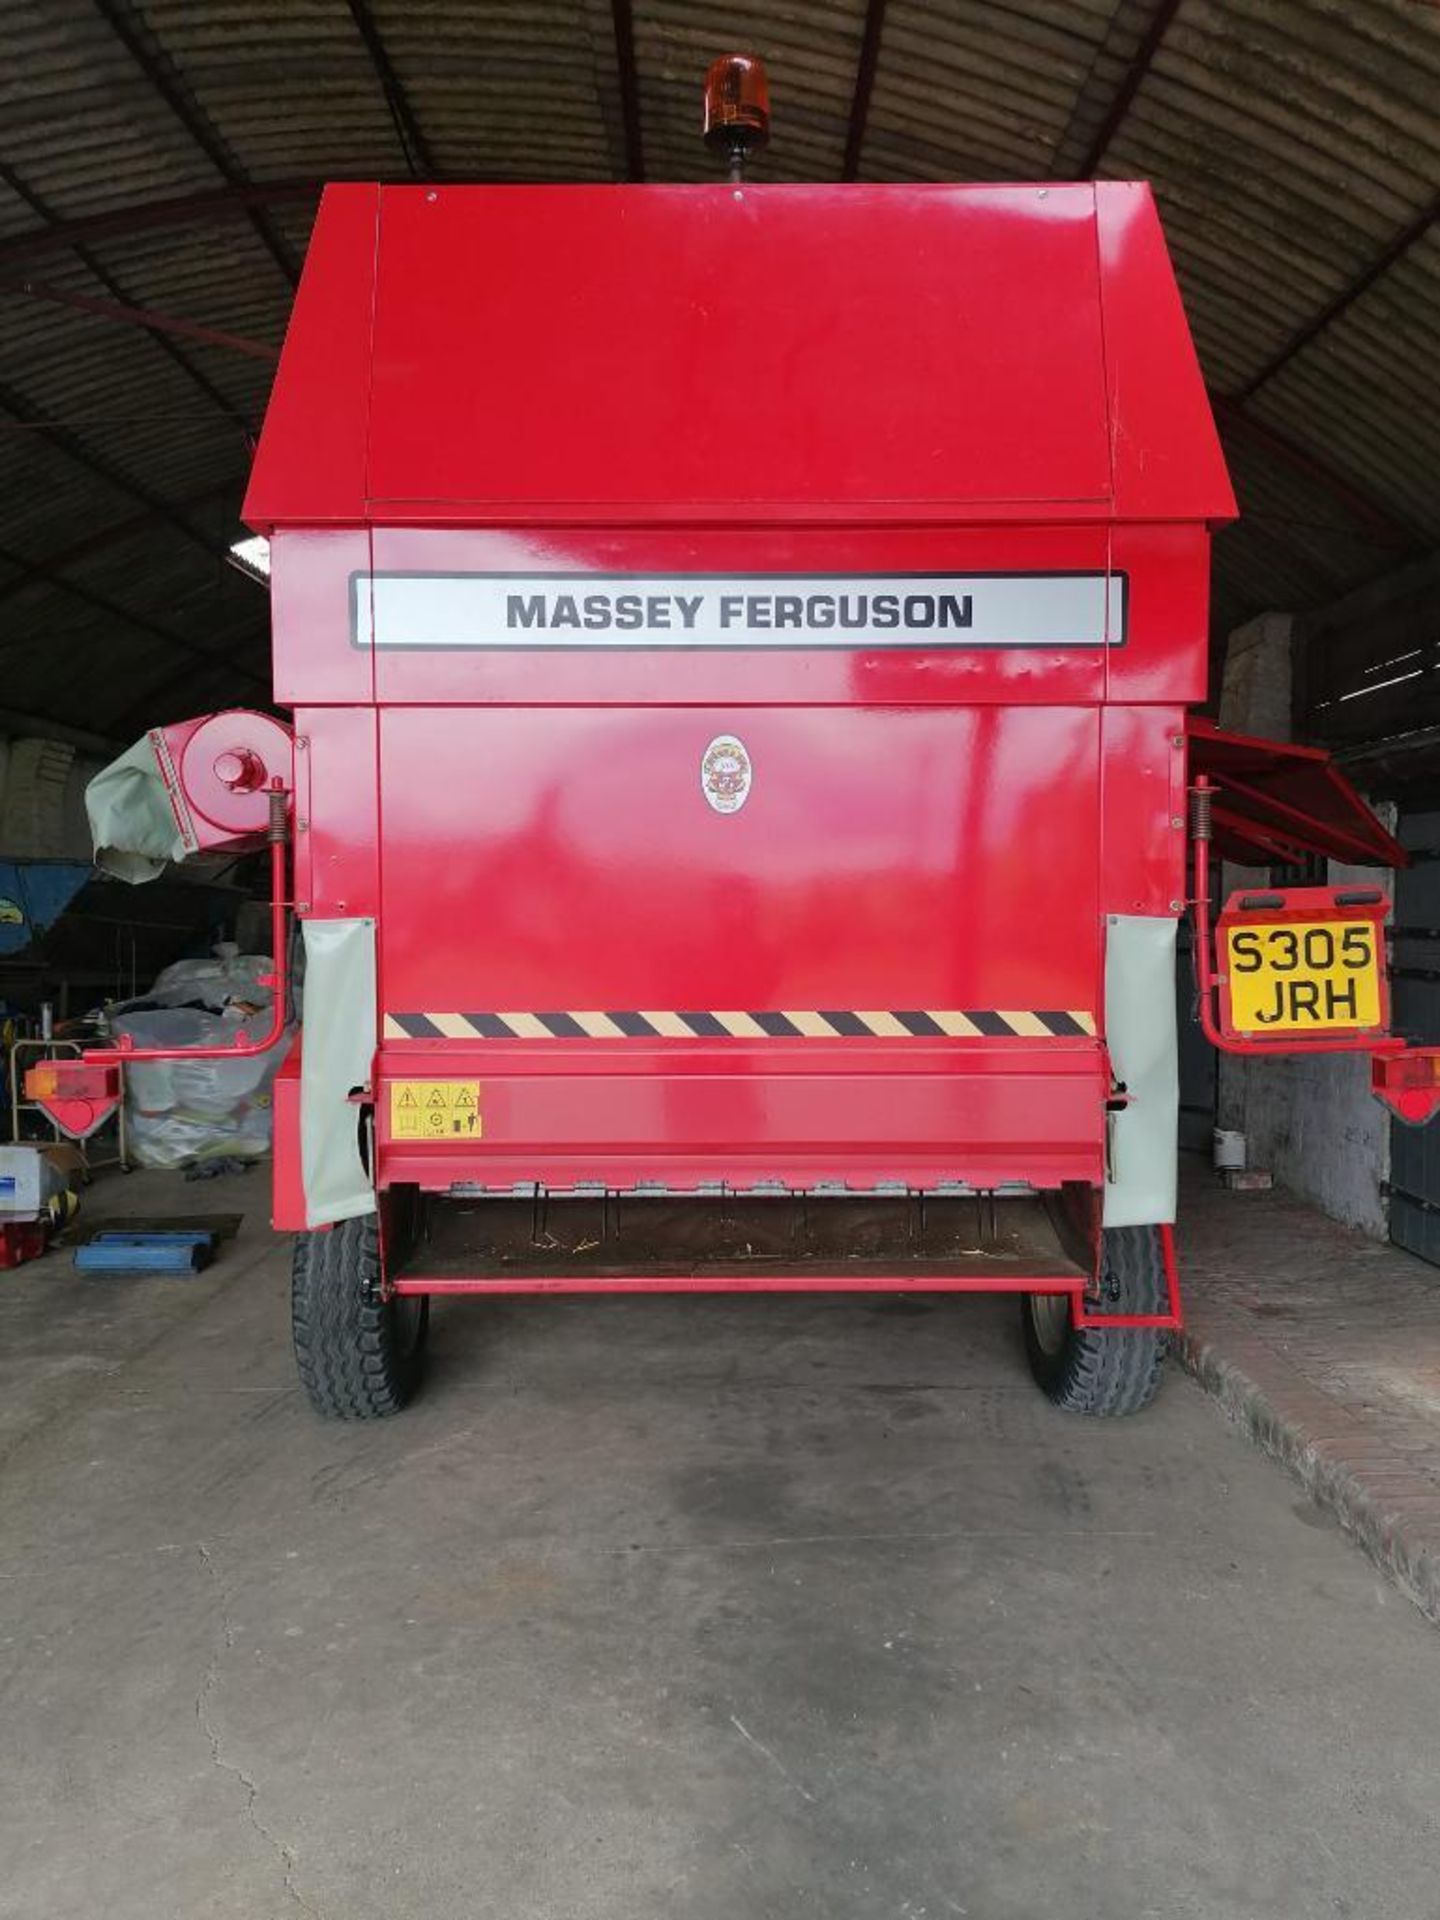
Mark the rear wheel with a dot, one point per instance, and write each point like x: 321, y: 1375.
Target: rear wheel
x: 1090, y: 1370
x: 360, y: 1356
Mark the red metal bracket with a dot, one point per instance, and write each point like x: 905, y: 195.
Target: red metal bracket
x: 1171, y: 1321
x: 1202, y: 796
x: 1325, y: 913
x: 67, y: 1076
x: 419, y: 1283
x: 1405, y: 1078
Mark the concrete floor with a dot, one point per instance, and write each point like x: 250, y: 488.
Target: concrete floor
x: 720, y: 1609
x: 1325, y: 1346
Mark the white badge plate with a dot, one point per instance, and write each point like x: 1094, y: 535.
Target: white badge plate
x: 771, y: 611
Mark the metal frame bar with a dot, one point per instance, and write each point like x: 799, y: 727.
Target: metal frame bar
x: 209, y: 687
x: 1364, y: 850
x: 1395, y: 249
x: 864, y: 87
x: 145, y: 216
x: 206, y: 689
x: 120, y: 17
x: 53, y: 563
x: 107, y: 280
x: 704, y: 1283
x: 413, y: 144
x: 34, y: 572
x: 1130, y: 83
x: 623, y: 19
x: 1268, y: 840
x: 147, y: 317
x: 75, y: 449
x: 125, y: 1052
x: 1382, y: 527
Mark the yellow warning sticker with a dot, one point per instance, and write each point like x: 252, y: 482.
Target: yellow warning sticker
x: 435, y: 1110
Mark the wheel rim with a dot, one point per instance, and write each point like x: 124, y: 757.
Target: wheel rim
x: 1050, y: 1319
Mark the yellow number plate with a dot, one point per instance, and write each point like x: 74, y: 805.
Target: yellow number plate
x: 435, y: 1110
x: 1303, y: 976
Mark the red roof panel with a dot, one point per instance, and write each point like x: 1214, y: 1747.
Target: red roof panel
x: 524, y: 354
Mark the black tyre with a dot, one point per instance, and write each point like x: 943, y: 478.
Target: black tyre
x: 1089, y: 1370
x: 360, y: 1357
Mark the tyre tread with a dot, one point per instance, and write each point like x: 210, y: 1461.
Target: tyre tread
x: 349, y: 1358
x: 1113, y: 1374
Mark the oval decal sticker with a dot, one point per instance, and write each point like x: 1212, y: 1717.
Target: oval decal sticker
x: 725, y: 773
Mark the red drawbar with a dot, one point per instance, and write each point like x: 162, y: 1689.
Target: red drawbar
x: 790, y: 1283
x: 1171, y: 1320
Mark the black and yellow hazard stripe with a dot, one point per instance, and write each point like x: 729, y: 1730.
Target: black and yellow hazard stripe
x: 928, y: 1024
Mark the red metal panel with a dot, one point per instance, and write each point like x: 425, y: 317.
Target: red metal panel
x: 641, y: 312
x: 547, y: 355
x: 1143, y: 806
x: 316, y: 658
x: 310, y: 464
x: 885, y: 858
x: 337, y: 812
x: 287, y: 1204
x: 1168, y: 462
x: 984, y: 1113
x: 1167, y: 649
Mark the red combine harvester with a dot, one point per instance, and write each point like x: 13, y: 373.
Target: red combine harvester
x: 739, y: 642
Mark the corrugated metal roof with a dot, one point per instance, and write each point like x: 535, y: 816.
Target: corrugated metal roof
x: 165, y: 156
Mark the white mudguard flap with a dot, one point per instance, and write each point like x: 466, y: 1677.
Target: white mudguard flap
x: 1140, y: 1027
x: 338, y: 1037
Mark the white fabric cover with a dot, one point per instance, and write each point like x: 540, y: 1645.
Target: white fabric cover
x: 1140, y: 1027
x: 338, y: 1053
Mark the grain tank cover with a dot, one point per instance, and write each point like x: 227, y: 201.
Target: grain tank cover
x: 534, y: 355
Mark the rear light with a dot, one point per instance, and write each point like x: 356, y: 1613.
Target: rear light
x: 72, y: 1080
x: 1408, y: 1083
x: 76, y: 1095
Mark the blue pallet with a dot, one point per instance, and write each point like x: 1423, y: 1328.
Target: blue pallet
x: 146, y: 1253
x: 153, y: 1237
